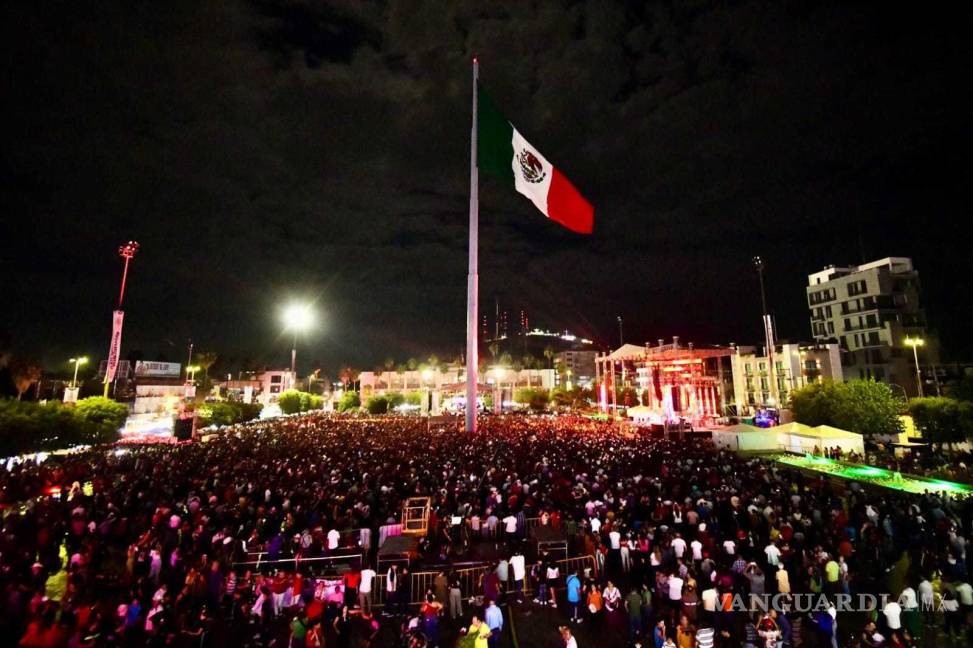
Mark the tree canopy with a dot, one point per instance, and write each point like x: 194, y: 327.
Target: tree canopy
x: 863, y: 406
x: 32, y: 427
x: 942, y: 420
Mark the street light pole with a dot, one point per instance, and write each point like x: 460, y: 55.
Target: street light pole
x: 621, y: 338
x: 297, y: 318
x: 77, y: 362
x: 294, y: 360
x: 915, y: 343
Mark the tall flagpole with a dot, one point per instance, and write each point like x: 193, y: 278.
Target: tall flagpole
x: 472, y: 281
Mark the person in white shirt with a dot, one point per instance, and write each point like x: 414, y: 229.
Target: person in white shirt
x: 365, y: 590
x: 675, y: 593
x: 729, y: 547
x: 678, y: 546
x: 333, y: 538
x: 553, y: 573
x: 614, y: 539
x: 709, y: 597
x: 611, y: 597
x: 773, y: 555
x: 510, y: 527
x: 568, y: 638
x: 697, y: 548
x: 907, y: 599
x: 519, y: 567
x: 595, y: 525
x: 893, y: 615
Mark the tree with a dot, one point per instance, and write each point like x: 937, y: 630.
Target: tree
x: 24, y: 373
x: 349, y: 401
x: 411, y: 364
x: 395, y: 399
x: 941, y: 420
x: 31, y: 427
x: 962, y: 389
x: 549, y: 354
x: 575, y: 398
x: 815, y: 404
x: 869, y: 408
x: 536, y: 399
x: 348, y: 376
x: 628, y: 397
x: 103, y: 416
x: 290, y: 401
x: 863, y: 406
x: 205, y: 360
x: 228, y: 412
x: 377, y: 405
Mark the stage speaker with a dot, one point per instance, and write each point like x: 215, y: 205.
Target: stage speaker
x: 183, y: 429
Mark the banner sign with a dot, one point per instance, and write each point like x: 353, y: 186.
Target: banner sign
x: 157, y: 369
x: 116, y: 345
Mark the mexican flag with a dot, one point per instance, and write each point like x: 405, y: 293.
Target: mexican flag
x: 504, y: 152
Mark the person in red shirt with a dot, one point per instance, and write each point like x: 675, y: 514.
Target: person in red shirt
x: 351, y: 580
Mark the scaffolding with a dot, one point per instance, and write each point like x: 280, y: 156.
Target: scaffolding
x: 415, y: 516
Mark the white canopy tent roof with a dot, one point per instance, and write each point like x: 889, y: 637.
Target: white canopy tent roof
x: 746, y: 437
x: 627, y: 352
x: 792, y: 437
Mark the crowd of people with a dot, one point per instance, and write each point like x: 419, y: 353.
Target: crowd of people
x: 952, y: 464
x: 153, y: 545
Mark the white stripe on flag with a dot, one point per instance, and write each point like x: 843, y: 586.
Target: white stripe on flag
x: 532, y: 172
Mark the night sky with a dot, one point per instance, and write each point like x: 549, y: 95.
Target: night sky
x: 261, y: 151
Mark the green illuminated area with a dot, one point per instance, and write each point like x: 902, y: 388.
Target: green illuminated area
x: 875, y: 476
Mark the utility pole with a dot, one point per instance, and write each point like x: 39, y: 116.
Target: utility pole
x: 621, y: 337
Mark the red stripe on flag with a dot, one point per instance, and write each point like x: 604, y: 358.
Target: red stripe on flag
x: 568, y: 207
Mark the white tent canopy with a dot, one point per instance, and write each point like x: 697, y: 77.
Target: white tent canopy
x: 746, y: 437
x: 825, y: 436
x: 792, y: 437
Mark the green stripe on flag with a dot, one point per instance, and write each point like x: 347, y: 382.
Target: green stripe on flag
x: 495, y: 151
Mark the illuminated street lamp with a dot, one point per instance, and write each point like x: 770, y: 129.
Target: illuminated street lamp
x: 191, y: 373
x: 915, y: 343
x: 297, y: 318
x: 77, y: 362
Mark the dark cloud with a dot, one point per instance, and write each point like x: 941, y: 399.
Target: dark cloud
x: 266, y: 150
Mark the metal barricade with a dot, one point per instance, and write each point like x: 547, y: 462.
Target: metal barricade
x: 470, y: 579
x: 351, y: 560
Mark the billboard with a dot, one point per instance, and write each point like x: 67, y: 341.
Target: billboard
x: 145, y: 369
